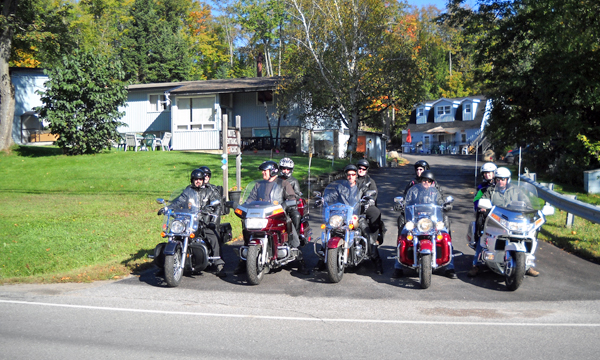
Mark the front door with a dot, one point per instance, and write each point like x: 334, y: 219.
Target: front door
x: 426, y: 142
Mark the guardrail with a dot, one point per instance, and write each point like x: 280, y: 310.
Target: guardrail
x: 566, y: 203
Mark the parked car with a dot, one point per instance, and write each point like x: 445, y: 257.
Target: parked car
x: 512, y: 157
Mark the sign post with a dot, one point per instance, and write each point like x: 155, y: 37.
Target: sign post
x: 224, y: 156
x: 238, y: 159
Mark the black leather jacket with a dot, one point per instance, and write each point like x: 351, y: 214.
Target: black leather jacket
x: 367, y: 183
x: 295, y: 185
x: 276, y: 191
x: 202, y: 197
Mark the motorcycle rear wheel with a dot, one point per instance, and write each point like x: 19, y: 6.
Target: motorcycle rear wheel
x: 335, y: 264
x: 254, y: 271
x: 514, y: 270
x: 425, y: 271
x: 173, y: 268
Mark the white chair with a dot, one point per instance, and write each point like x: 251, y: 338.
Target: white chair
x: 164, y: 142
x: 131, y: 141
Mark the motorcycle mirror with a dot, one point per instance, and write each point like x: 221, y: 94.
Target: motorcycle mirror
x: 370, y: 193
x: 215, y: 202
x: 160, y: 200
x: 316, y: 194
x: 398, y: 199
x: 484, y: 204
x: 449, y: 200
x: 229, y: 204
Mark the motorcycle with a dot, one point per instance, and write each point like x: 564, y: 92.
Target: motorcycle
x: 424, y: 243
x: 184, y: 250
x: 343, y: 243
x: 509, y: 236
x: 266, y: 229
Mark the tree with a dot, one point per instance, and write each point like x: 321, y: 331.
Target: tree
x: 543, y: 80
x: 32, y: 32
x: 344, y: 55
x: 81, y: 102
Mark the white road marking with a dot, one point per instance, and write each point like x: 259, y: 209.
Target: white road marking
x: 264, y: 317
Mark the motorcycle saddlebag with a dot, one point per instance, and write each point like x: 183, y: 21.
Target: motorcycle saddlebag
x: 199, y: 256
x: 225, y: 232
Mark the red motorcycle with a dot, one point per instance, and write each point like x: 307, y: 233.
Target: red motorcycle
x: 425, y: 243
x: 266, y: 229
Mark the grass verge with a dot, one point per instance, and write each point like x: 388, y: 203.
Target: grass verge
x: 93, y: 217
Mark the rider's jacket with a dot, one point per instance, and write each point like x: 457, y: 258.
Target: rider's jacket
x: 275, y: 192
x: 295, y: 185
x: 418, y: 194
x: 202, y: 197
x: 502, y: 198
x: 416, y: 181
x: 367, y: 183
x: 481, y: 188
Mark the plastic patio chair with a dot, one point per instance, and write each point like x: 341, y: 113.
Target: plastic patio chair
x: 150, y: 142
x: 164, y: 142
x: 131, y: 141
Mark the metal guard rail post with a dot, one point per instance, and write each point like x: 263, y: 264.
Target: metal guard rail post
x: 575, y: 207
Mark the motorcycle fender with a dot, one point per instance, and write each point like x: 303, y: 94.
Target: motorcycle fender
x: 425, y: 247
x: 516, y: 246
x: 255, y: 241
x: 171, y: 247
x: 334, y: 242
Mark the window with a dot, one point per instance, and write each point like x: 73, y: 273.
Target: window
x: 420, y: 112
x: 196, y: 113
x: 158, y: 103
x: 443, y: 110
x: 467, y: 108
x: 467, y: 115
x: 463, y: 138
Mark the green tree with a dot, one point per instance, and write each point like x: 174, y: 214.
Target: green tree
x: 543, y: 79
x: 348, y: 61
x: 32, y: 33
x: 81, y: 102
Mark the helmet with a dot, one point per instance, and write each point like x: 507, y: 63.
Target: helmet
x: 270, y: 165
x: 423, y: 164
x: 286, y: 163
x: 502, y: 172
x: 363, y: 162
x: 206, y: 170
x: 427, y: 175
x: 197, y: 174
x: 488, y: 167
x: 350, y: 168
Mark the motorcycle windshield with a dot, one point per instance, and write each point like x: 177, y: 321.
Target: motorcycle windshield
x: 258, y: 191
x: 518, y: 197
x: 341, y: 195
x: 423, y: 202
x: 178, y: 205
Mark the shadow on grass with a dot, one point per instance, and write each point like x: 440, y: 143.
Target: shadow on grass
x: 37, y: 151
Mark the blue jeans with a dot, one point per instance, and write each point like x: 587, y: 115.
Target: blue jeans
x: 478, y: 250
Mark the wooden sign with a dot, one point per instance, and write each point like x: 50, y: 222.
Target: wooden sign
x: 231, y: 133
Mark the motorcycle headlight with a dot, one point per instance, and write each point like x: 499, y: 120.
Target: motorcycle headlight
x: 409, y: 226
x: 177, y: 227
x: 336, y: 221
x: 425, y: 225
x: 439, y: 225
x: 256, y: 224
x: 513, y: 226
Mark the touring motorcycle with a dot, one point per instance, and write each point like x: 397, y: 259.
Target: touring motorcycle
x: 343, y: 243
x: 509, y: 236
x: 424, y: 243
x: 266, y: 229
x: 187, y: 248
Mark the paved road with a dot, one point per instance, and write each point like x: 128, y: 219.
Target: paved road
x: 290, y: 315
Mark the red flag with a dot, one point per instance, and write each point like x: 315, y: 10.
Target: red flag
x: 408, y: 137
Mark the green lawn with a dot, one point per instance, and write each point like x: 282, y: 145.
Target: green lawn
x: 83, y: 218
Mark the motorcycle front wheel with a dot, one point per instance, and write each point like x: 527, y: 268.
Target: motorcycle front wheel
x: 425, y: 271
x: 254, y: 270
x: 335, y: 264
x: 173, y: 268
x: 514, y: 270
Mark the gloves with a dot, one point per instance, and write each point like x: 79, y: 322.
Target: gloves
x: 161, y: 211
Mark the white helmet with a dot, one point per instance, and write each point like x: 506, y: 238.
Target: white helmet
x: 488, y: 167
x: 502, y: 172
x: 286, y: 163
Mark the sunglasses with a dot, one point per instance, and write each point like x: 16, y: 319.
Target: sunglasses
x: 362, y: 169
x: 350, y: 175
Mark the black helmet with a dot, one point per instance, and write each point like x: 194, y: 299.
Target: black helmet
x: 363, y: 162
x: 350, y: 168
x: 270, y: 165
x: 206, y: 170
x: 427, y: 175
x: 197, y: 174
x: 423, y: 164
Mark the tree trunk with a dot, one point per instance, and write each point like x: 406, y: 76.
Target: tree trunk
x: 7, y: 95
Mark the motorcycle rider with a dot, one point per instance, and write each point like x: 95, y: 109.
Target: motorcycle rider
x: 286, y: 168
x: 487, y: 173
x: 373, y: 214
x: 502, y: 194
x: 276, y: 190
x: 427, y: 180
x: 202, y: 195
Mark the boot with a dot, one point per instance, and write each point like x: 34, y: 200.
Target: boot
x: 220, y: 273
x: 378, y: 267
x: 240, y: 268
x: 473, y: 272
x: 532, y: 272
x: 450, y: 274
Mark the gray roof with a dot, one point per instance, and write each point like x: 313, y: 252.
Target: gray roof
x: 456, y: 125
x: 217, y: 86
